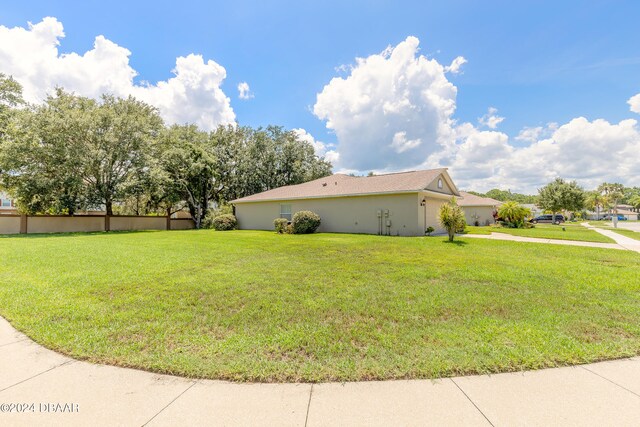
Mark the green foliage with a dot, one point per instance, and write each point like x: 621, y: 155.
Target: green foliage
x: 561, y: 195
x: 505, y: 196
x: 451, y: 218
x: 10, y: 97
x: 613, y: 193
x: 305, y: 222
x: 74, y: 153
x: 513, y: 214
x: 429, y: 230
x: 224, y: 222
x: 280, y: 225
x: 630, y: 194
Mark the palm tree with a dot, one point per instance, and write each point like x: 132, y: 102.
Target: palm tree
x: 613, y: 193
x: 595, y: 201
x: 635, y: 201
x: 452, y: 218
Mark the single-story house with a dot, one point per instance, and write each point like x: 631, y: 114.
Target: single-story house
x: 7, y: 205
x: 535, y: 209
x: 628, y: 214
x: 397, y: 204
x: 478, y: 210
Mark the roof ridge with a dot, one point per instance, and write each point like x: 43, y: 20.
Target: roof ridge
x: 412, y: 171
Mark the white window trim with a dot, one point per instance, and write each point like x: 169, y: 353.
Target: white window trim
x: 440, y: 183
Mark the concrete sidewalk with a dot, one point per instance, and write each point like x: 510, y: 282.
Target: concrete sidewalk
x: 606, y: 393
x: 504, y: 236
x: 624, y: 241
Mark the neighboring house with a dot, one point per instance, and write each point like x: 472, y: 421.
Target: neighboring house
x: 628, y: 208
x: 535, y: 210
x: 478, y: 210
x: 628, y: 214
x: 397, y: 204
x: 631, y: 215
x: 7, y: 205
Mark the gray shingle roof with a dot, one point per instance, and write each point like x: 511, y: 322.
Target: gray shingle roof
x: 468, y: 199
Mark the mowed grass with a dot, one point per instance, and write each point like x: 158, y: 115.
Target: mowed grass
x: 256, y: 306
x: 547, y: 231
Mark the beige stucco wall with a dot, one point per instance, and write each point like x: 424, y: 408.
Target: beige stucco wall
x: 129, y: 223
x: 352, y: 214
x: 182, y: 224
x: 429, y: 213
x: 9, y: 224
x: 341, y: 214
x: 61, y: 224
x: 485, y: 214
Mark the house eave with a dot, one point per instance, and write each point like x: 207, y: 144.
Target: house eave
x: 334, y: 196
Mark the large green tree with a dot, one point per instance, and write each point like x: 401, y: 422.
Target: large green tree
x: 42, y: 161
x: 117, y: 152
x: 613, y: 194
x: 188, y: 161
x: 561, y: 195
x: 73, y: 152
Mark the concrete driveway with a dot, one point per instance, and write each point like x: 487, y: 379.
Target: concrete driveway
x: 634, y: 226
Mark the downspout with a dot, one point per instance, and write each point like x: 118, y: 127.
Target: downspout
x: 423, y: 203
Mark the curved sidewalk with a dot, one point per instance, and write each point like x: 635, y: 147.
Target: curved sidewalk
x: 510, y: 237
x: 624, y: 241
x: 606, y: 393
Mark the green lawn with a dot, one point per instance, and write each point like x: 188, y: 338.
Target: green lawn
x: 547, y: 231
x: 256, y: 306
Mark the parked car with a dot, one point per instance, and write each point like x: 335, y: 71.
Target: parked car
x: 608, y: 217
x: 547, y: 219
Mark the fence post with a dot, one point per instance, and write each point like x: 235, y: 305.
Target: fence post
x: 23, y: 224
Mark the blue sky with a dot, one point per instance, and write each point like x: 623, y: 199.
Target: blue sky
x: 536, y: 62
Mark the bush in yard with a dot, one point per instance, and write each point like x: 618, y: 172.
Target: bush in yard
x: 280, y: 225
x: 305, y: 222
x: 451, y: 217
x: 225, y: 222
x: 429, y: 230
x: 513, y: 214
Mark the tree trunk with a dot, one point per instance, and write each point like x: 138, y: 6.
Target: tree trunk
x: 452, y: 234
x: 109, y: 207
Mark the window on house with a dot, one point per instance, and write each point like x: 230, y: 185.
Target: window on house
x: 440, y: 183
x: 285, y: 212
x: 6, y: 203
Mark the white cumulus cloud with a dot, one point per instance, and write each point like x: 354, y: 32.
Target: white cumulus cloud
x: 390, y: 110
x: 491, y: 119
x: 321, y: 149
x: 244, y: 92
x: 395, y: 111
x: 588, y: 151
x: 456, y: 65
x: 634, y: 103
x: 192, y: 95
